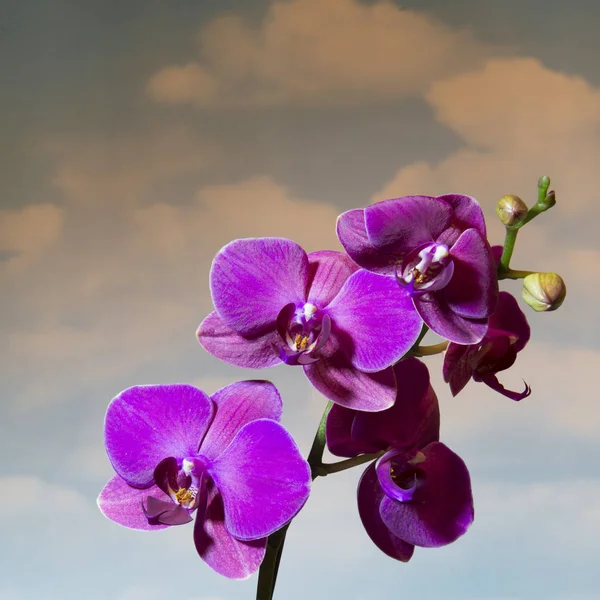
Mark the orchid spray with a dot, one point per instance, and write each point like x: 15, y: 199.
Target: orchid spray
x: 354, y: 323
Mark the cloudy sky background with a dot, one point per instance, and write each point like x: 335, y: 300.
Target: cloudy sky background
x: 139, y: 137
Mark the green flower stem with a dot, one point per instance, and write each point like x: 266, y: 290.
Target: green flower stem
x: 544, y: 202
x: 315, y: 456
x: 342, y: 465
x: 430, y: 350
x: 515, y: 274
x: 267, y: 574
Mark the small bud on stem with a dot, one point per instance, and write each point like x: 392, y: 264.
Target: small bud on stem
x: 544, y: 291
x: 511, y: 209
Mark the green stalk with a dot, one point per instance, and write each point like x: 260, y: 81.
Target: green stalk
x: 267, y: 574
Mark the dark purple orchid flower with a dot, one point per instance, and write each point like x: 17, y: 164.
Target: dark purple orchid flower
x: 419, y: 492
x: 346, y: 327
x: 508, y: 333
x: 436, y: 248
x: 177, y: 452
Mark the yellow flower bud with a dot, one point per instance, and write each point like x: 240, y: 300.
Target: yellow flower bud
x: 544, y: 291
x: 511, y: 209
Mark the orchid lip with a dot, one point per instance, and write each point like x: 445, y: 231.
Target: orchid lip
x: 304, y: 330
x: 398, y: 475
x: 427, y: 269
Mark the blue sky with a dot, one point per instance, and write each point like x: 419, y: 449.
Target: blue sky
x: 138, y: 138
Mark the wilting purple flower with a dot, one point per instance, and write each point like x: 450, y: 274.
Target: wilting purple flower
x: 225, y: 458
x: 419, y: 492
x: 437, y: 250
x: 346, y: 327
x: 508, y: 333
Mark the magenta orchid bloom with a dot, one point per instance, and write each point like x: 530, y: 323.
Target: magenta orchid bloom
x: 276, y: 304
x: 507, y: 335
x: 225, y: 458
x: 436, y: 248
x: 418, y: 493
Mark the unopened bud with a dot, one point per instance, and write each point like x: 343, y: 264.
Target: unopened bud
x: 550, y: 199
x: 544, y: 291
x: 544, y: 182
x: 511, y: 209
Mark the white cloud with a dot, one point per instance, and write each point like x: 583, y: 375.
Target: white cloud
x: 317, y: 52
x: 519, y: 120
x: 25, y: 234
x: 128, y: 281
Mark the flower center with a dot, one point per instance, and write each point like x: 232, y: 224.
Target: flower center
x: 426, y: 270
x: 399, y: 474
x: 181, y: 482
x: 304, y: 330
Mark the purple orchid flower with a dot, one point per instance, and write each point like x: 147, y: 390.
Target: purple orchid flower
x: 436, y: 248
x: 418, y: 493
x: 345, y: 327
x: 225, y: 458
x: 507, y: 335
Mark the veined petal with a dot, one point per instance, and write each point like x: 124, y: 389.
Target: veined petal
x: 252, y: 279
x: 226, y: 555
x: 473, y: 289
x: 122, y: 504
x: 263, y: 479
x: 374, y: 321
x: 336, y: 378
x: 252, y: 352
x: 370, y: 496
x: 510, y: 318
x: 458, y: 366
x: 147, y: 423
x: 235, y: 406
x: 352, y: 234
x: 414, y: 419
x: 338, y: 433
x: 442, y: 508
x: 467, y: 212
x: 400, y: 225
x: 441, y: 319
x: 328, y: 271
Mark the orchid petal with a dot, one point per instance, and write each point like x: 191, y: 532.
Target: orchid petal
x: 473, y: 290
x: 336, y: 378
x: 353, y: 236
x: 413, y: 420
x: 369, y: 499
x: 374, y: 321
x: 226, y: 555
x: 400, y: 225
x: 492, y: 381
x: 263, y: 479
x: 442, y: 508
x: 235, y: 406
x: 252, y: 279
x: 252, y: 352
x: 123, y: 504
x: 458, y: 366
x: 467, y: 213
x: 441, y: 319
x: 338, y: 432
x: 328, y: 270
x: 510, y: 318
x: 147, y: 423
